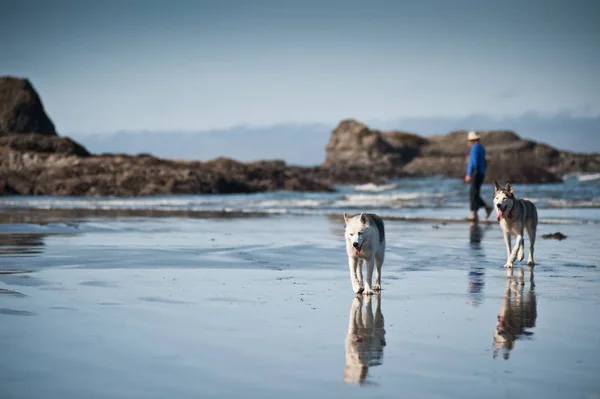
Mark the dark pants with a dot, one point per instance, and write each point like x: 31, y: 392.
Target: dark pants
x: 474, y: 193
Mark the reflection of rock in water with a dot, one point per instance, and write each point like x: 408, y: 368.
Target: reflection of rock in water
x: 365, y: 339
x: 517, y: 314
x: 13, y: 244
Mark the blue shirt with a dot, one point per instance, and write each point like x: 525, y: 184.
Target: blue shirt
x: 476, y: 160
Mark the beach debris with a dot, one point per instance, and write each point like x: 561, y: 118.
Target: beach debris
x: 555, y: 236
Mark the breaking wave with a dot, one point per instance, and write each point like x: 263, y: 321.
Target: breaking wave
x: 584, y: 177
x: 396, y: 200
x: 590, y: 177
x: 370, y: 187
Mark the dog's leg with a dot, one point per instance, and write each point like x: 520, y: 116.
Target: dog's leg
x: 353, y: 263
x: 378, y: 263
x: 370, y: 263
x: 518, y: 244
x: 531, y: 234
x: 521, y: 253
x: 507, y: 242
x: 359, y: 273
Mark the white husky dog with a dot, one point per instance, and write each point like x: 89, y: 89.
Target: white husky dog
x: 515, y: 216
x: 365, y: 240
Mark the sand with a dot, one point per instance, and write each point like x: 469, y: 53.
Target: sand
x: 262, y: 307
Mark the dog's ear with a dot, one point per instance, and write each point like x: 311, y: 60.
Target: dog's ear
x: 496, y: 186
x: 363, y: 218
x: 345, y: 218
x: 508, y: 188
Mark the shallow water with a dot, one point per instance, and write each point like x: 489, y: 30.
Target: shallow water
x: 111, y: 305
x: 577, y: 200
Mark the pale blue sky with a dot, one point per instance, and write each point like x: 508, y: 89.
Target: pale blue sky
x: 103, y: 66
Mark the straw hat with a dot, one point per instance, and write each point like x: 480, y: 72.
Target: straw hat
x: 473, y: 136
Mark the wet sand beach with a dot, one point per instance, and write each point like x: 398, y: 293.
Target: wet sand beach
x: 106, y: 306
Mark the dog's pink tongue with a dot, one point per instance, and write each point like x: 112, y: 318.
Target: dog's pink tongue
x: 357, y: 251
x: 500, y: 216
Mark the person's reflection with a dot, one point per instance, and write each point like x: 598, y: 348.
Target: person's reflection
x: 475, y: 235
x: 365, y: 339
x: 476, y: 278
x: 517, y: 314
x: 476, y: 285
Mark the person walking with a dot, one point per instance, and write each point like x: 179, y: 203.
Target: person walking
x: 475, y: 175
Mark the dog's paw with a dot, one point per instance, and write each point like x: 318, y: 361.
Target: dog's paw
x: 367, y: 291
x: 508, y: 265
x: 530, y: 263
x: 358, y: 290
x: 376, y: 287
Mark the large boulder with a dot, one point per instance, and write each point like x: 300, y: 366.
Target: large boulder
x: 24, y: 125
x: 353, y: 143
x: 21, y: 109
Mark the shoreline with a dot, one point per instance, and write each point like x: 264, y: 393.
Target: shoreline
x: 43, y: 215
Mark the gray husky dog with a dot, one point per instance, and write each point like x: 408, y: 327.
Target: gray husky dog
x: 515, y: 216
x: 365, y: 240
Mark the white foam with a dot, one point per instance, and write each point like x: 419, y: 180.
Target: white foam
x: 589, y: 177
x: 300, y: 203
x: 569, y: 203
x: 397, y: 200
x: 564, y: 221
x: 371, y: 187
x: 583, y: 177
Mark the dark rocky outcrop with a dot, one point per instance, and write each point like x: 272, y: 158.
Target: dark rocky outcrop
x: 21, y: 109
x: 509, y: 158
x: 384, y: 155
x: 35, y: 142
x: 554, y: 236
x: 30, y: 173
x: 34, y: 160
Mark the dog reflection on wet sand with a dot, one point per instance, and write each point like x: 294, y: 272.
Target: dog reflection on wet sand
x: 365, y: 339
x: 517, y: 314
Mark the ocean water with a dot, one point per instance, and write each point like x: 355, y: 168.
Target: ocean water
x: 577, y: 200
x: 249, y: 296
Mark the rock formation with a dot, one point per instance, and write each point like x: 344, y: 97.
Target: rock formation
x: 33, y: 173
x: 353, y: 143
x: 34, y: 160
x: 21, y: 110
x: 35, y: 142
x: 396, y: 154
